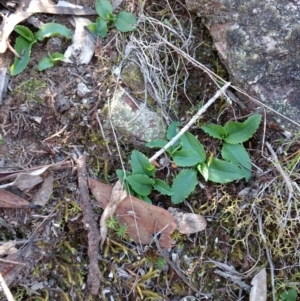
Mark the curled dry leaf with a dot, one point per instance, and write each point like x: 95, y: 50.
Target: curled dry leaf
x: 188, y: 223
x: 139, y: 216
x: 10, y: 200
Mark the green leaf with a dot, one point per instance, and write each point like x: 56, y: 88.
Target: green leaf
x: 23, y: 48
x: 186, y: 158
x: 184, y: 183
x: 223, y: 172
x: 215, y: 131
x: 239, y: 132
x: 190, y: 142
x: 157, y: 143
x: 103, y: 7
x: 56, y: 57
x: 45, y: 63
x: 99, y: 28
x: 125, y: 21
x: 144, y: 198
x: 237, y: 154
x: 141, y: 184
x: 172, y: 130
x: 25, y: 32
x: 203, y: 169
x: 140, y: 164
x: 122, y: 174
x: 162, y: 187
x: 53, y: 30
x: 289, y: 295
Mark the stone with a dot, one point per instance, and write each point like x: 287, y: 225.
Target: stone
x: 134, y: 119
x: 258, y: 42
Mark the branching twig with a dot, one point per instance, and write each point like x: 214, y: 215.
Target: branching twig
x: 94, y: 275
x: 191, y: 122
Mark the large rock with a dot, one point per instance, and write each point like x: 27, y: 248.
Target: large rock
x: 259, y: 44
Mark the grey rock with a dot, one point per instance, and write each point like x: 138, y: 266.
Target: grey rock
x: 135, y: 119
x: 259, y: 44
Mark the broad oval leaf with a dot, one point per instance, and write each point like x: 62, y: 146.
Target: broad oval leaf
x: 45, y: 63
x: 140, y: 164
x: 99, y: 28
x: 239, y: 132
x: 125, y: 21
x: 141, y: 184
x: 162, y: 187
x: 186, y: 158
x: 215, y: 131
x: 53, y: 30
x: 157, y: 143
x: 172, y: 130
x: 103, y: 7
x: 189, y: 141
x: 223, y: 172
x: 237, y: 154
x: 23, y: 48
x: 25, y: 32
x: 184, y: 183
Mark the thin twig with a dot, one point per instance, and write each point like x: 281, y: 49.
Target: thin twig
x: 6, y: 290
x: 191, y: 122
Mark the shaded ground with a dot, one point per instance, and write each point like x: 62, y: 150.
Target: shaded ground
x: 45, y: 121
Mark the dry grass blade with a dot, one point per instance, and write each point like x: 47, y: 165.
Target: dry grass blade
x: 117, y: 196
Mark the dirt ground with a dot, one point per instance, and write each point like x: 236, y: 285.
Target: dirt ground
x: 44, y: 121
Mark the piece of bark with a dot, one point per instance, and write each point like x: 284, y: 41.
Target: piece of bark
x: 94, y: 274
x: 139, y: 216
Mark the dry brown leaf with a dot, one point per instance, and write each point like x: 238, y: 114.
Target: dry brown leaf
x: 11, y: 175
x: 24, y: 181
x: 15, y: 263
x: 10, y: 200
x: 139, y: 216
x: 117, y: 195
x: 44, y: 193
x: 188, y: 223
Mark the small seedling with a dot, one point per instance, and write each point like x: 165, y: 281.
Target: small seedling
x: 123, y: 21
x: 189, y: 153
x: 50, y: 61
x: 27, y: 39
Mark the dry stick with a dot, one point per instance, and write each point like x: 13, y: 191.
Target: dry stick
x: 94, y: 275
x: 286, y: 179
x: 5, y: 289
x: 191, y: 122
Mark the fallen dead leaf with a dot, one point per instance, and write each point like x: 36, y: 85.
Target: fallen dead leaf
x: 139, y: 216
x: 44, y: 193
x: 10, y: 200
x: 118, y: 194
x: 15, y: 263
